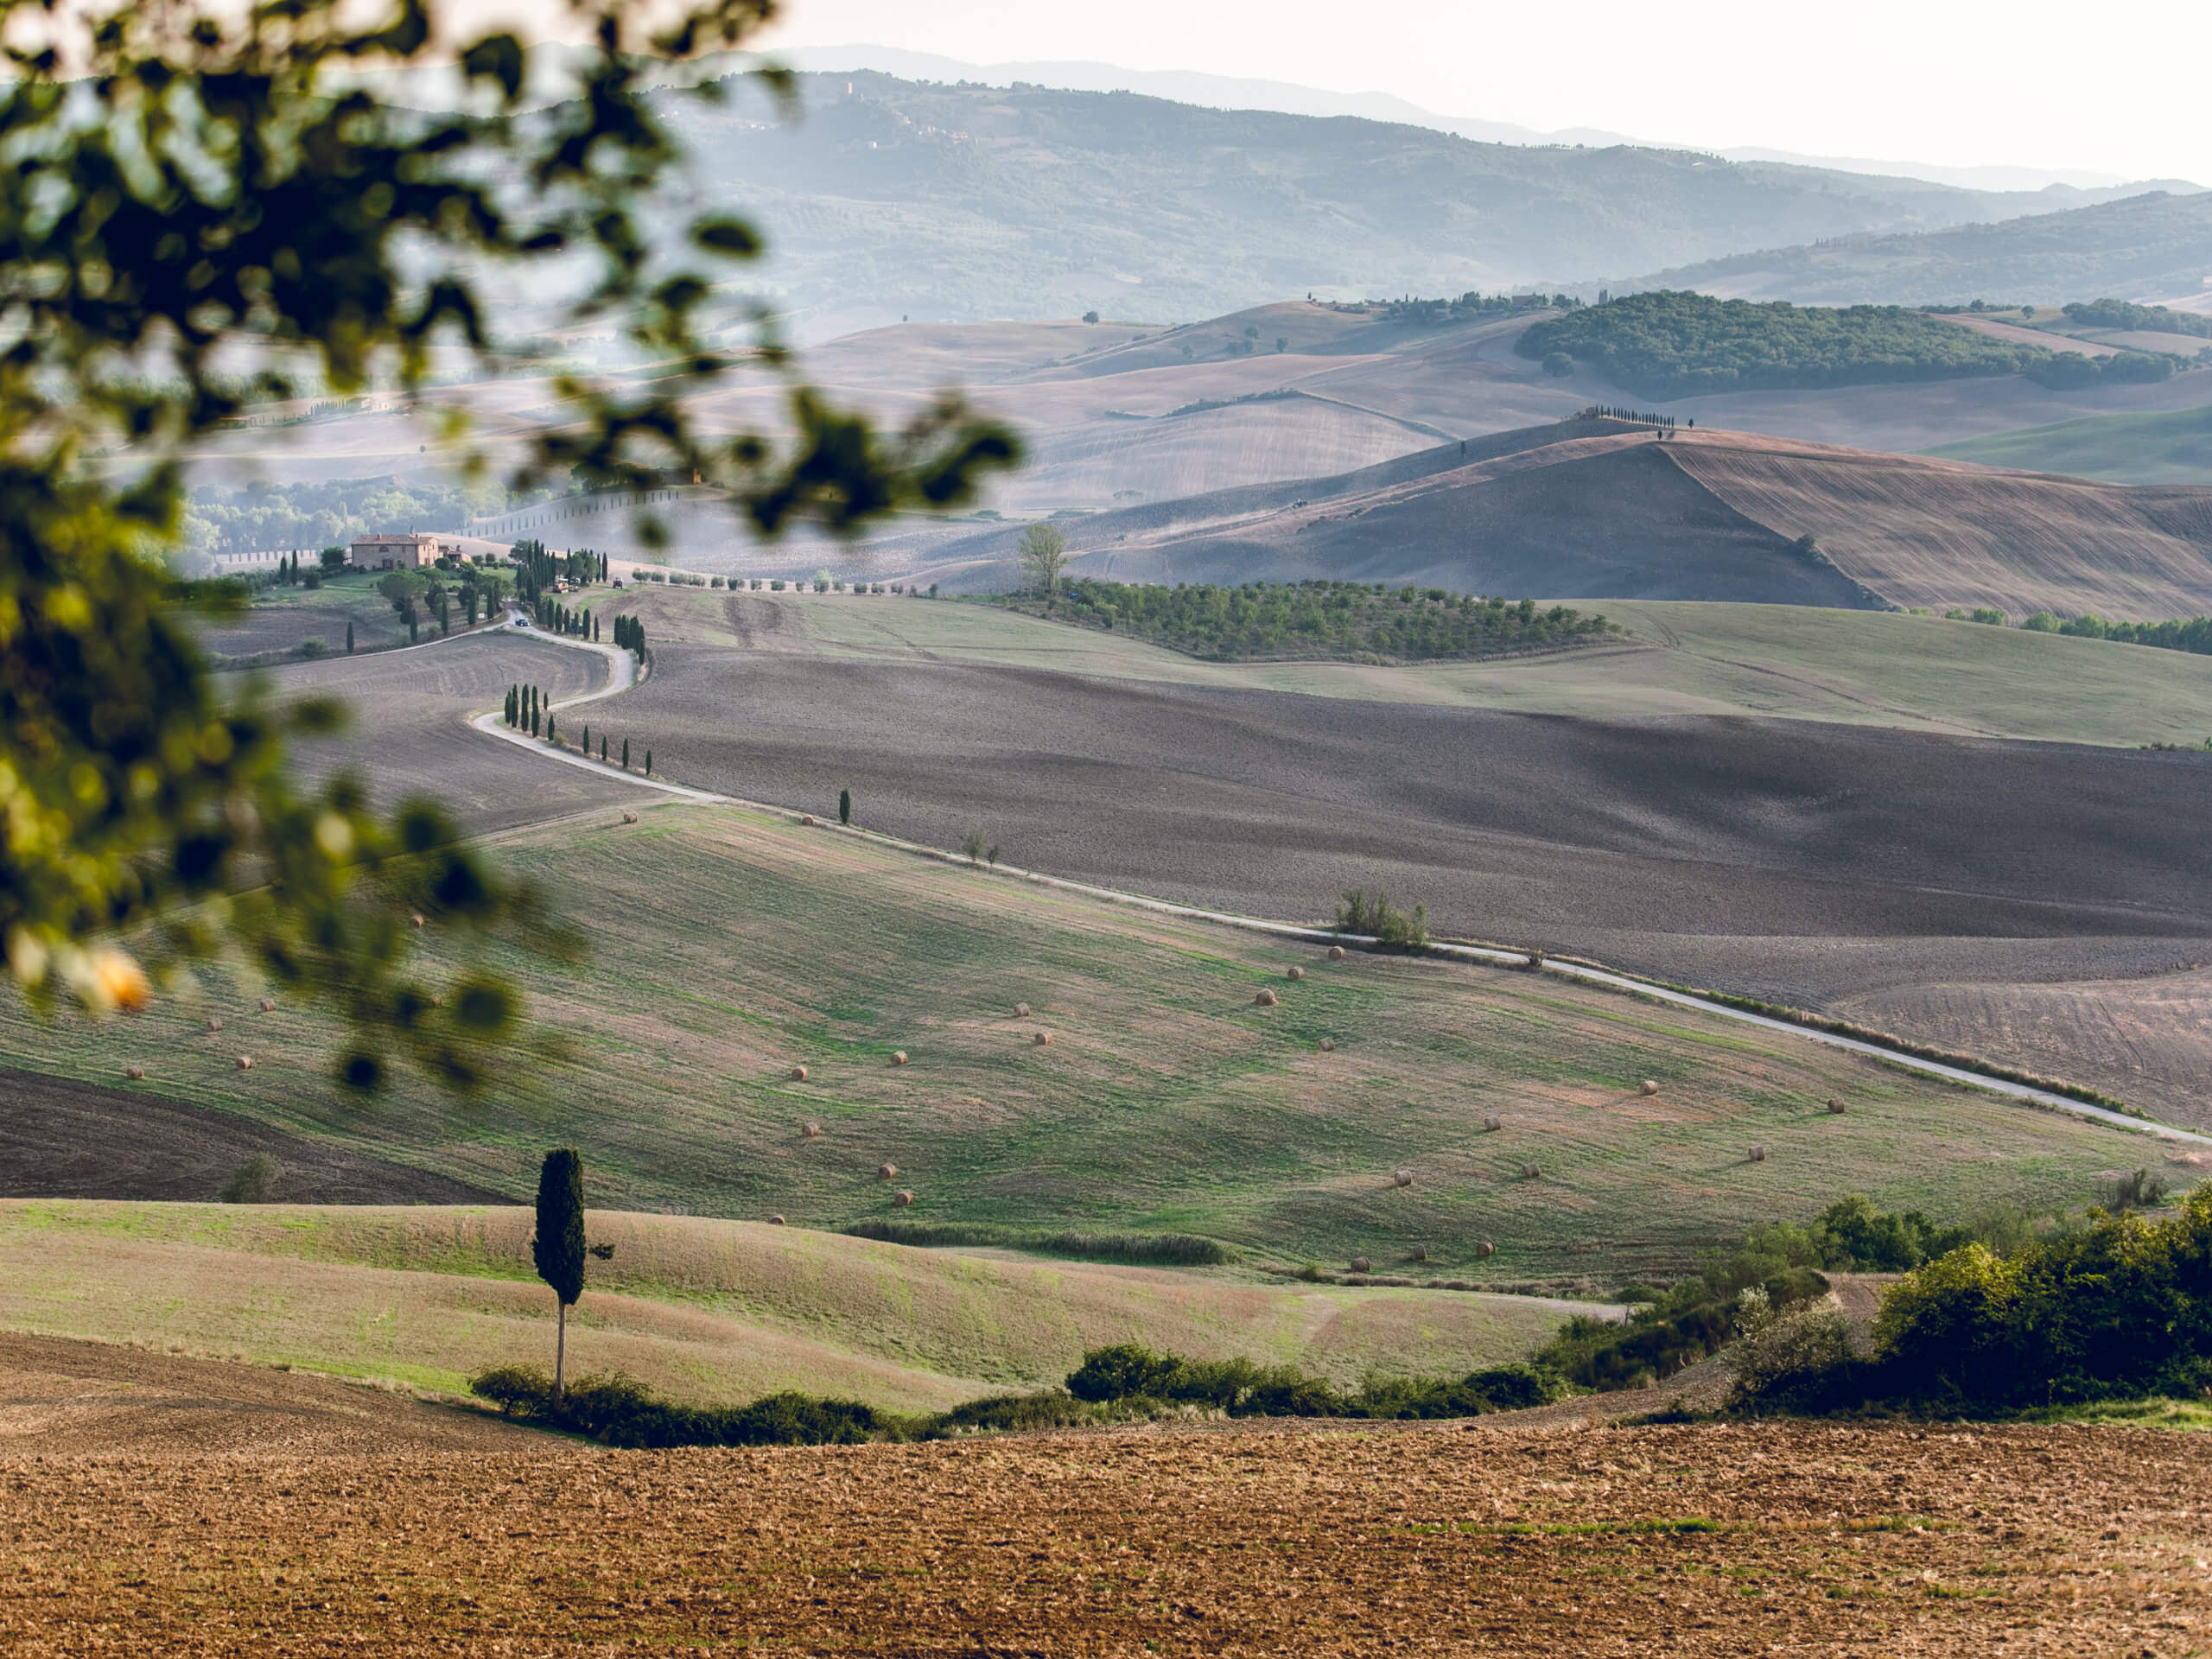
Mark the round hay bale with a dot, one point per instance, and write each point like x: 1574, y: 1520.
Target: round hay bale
x: 887, y: 1172
x: 268, y: 1005
x: 905, y: 1197
x: 1530, y: 1172
x: 245, y: 1062
x: 813, y: 1131
x: 1336, y: 953
x: 798, y: 1074
x: 1419, y: 1253
x: 1264, y: 1000
x: 1043, y: 1038
x: 1756, y: 1155
x: 775, y: 1221
x: 1402, y: 1178
x: 417, y: 919
x: 1297, y: 973
x: 1485, y: 1248
x: 1648, y: 1087
x: 1835, y: 1109
x: 135, y: 1073
x: 631, y: 817
x: 1360, y: 1264
x: 807, y: 819
x: 214, y: 1026
x: 1328, y: 1045
x: 1022, y: 1010
x: 899, y: 1057
x: 1492, y: 1124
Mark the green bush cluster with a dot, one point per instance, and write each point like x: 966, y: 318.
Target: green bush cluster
x: 2072, y: 370
x: 2119, y: 1310
x: 1324, y: 618
x: 622, y: 1411
x: 2148, y: 319
x: 1674, y: 344
x: 1121, y: 1384
x: 1239, y: 1388
x: 1377, y: 918
x: 1779, y: 1267
x: 2186, y: 633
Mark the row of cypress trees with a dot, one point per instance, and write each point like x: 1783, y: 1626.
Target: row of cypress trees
x: 577, y: 624
x: 630, y: 633
x: 526, y: 703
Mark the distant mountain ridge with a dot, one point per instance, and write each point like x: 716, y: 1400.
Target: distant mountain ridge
x: 896, y: 198
x: 2154, y: 247
x: 2069, y: 186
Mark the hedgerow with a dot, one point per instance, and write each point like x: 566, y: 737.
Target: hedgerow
x: 1319, y: 618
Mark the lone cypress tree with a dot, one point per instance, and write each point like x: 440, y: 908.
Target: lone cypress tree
x: 558, y: 1250
x: 844, y: 806
x: 586, y: 745
x: 649, y: 763
x: 603, y: 749
x: 349, y: 639
x: 625, y: 754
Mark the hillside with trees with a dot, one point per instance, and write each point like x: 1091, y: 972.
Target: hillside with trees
x: 951, y: 201
x: 2155, y: 243
x: 1343, y: 619
x: 1672, y: 343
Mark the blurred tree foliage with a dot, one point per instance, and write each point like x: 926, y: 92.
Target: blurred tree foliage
x: 202, y: 205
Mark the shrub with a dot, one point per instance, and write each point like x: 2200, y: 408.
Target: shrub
x: 1117, y: 1372
x: 1378, y: 919
x: 252, y: 1181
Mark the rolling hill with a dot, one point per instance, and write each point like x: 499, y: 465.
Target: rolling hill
x: 2144, y: 246
x: 2169, y: 448
x: 1595, y: 508
x: 712, y: 1309
x: 896, y: 197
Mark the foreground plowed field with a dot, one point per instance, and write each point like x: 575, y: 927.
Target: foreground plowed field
x: 406, y: 1537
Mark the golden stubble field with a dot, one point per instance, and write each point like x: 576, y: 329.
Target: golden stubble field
x: 150, y: 1505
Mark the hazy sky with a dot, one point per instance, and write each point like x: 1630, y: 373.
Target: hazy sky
x: 1931, y: 80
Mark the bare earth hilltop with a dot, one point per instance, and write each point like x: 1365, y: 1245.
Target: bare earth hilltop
x: 210, y: 1508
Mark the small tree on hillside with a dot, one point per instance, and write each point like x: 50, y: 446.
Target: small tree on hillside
x: 557, y: 1252
x: 844, y: 806
x: 1043, y: 553
x: 349, y: 639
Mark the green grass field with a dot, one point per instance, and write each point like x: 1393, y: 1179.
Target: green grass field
x: 2173, y: 446
x: 1782, y: 661
x: 729, y: 948
x: 714, y: 1310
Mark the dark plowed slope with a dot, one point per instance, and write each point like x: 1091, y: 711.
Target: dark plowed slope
x: 64, y: 1140
x: 1778, y: 856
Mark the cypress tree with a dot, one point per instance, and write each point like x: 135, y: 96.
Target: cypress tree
x: 533, y: 722
x: 410, y: 629
x: 557, y: 1252
x: 649, y: 763
x: 586, y: 742
x: 844, y: 806
x: 594, y: 630
x: 349, y: 639
x: 625, y: 754
x: 550, y: 723
x: 603, y: 749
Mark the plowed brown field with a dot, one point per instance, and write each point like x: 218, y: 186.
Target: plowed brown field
x: 1507, y: 1539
